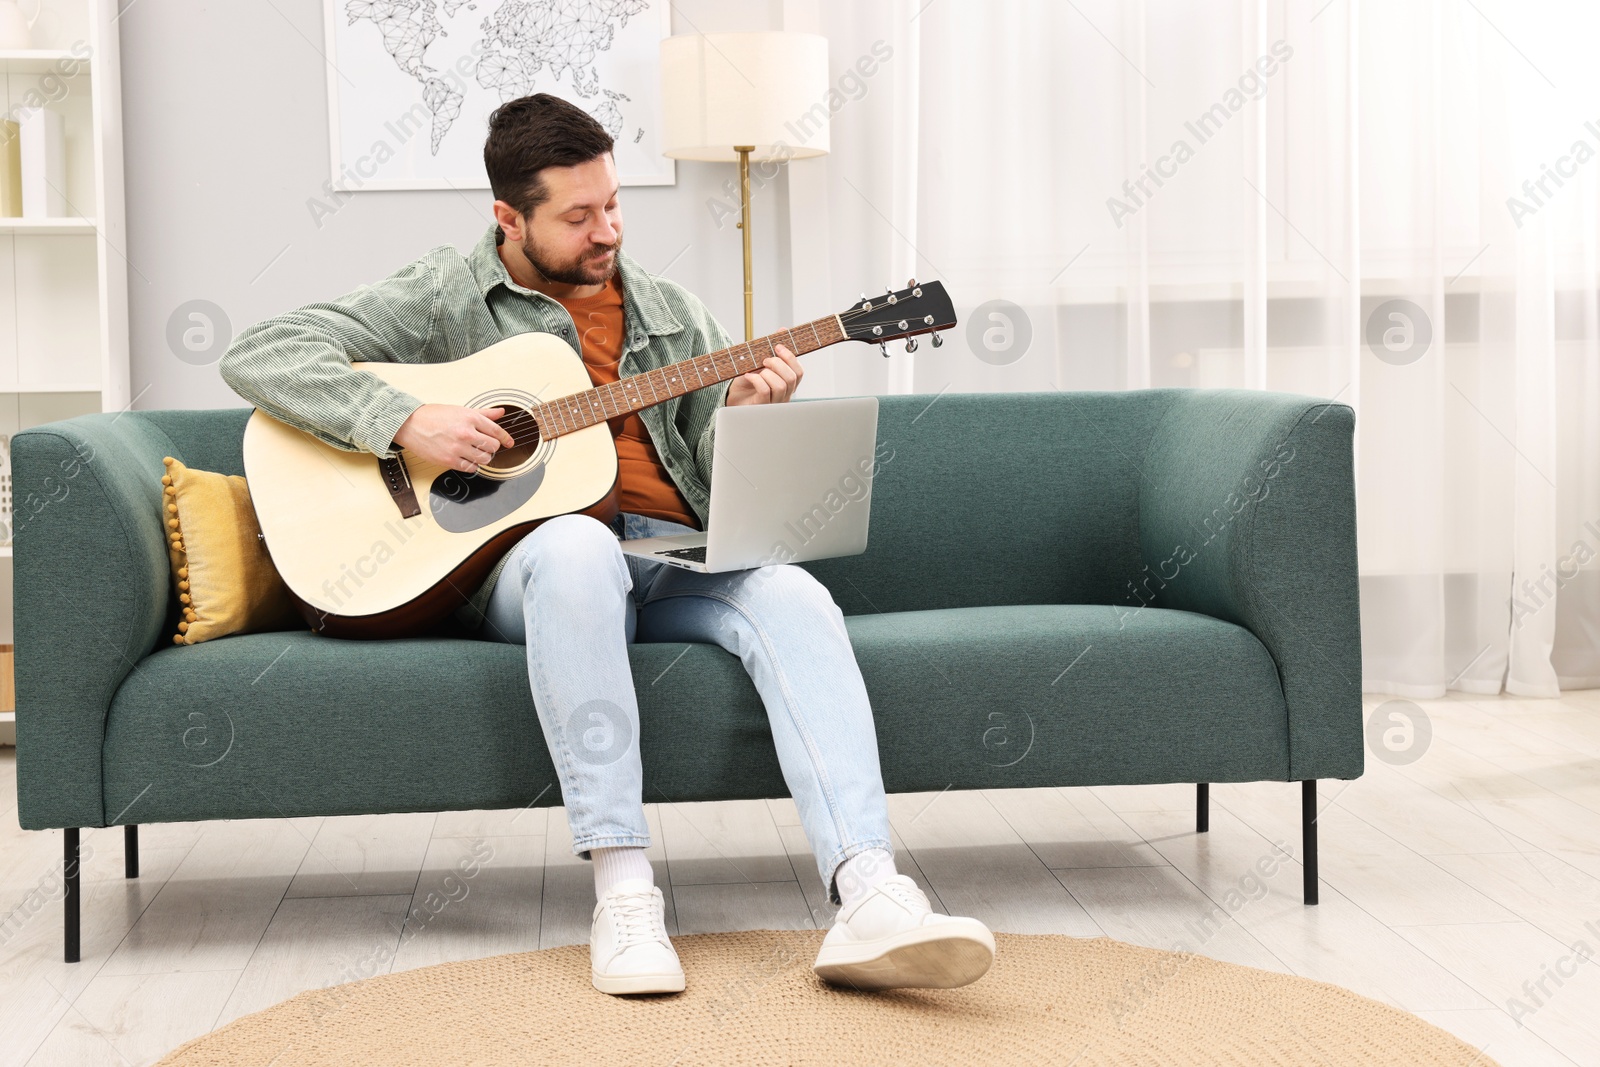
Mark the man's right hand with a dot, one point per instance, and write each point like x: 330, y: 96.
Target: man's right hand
x: 459, y: 438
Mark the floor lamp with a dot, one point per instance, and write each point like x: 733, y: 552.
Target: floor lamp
x: 745, y: 97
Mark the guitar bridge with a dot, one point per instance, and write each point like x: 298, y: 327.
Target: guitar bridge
x: 398, y: 480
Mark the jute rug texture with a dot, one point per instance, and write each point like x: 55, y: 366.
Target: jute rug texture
x: 753, y: 999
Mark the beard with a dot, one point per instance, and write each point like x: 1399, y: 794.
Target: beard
x: 588, y: 269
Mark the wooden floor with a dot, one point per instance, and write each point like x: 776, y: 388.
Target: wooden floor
x: 1452, y: 887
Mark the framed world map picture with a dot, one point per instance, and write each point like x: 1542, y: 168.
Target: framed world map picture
x: 411, y: 83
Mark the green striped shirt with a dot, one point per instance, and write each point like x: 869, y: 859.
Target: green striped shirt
x: 441, y: 307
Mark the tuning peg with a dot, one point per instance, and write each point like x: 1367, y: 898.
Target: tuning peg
x: 911, y: 344
x: 937, y: 340
x: 883, y: 349
x: 912, y: 284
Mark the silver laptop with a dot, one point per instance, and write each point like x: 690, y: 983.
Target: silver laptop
x: 789, y: 482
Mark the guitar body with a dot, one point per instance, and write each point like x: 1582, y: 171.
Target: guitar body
x: 337, y: 533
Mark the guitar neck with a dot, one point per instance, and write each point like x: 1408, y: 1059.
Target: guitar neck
x: 638, y: 391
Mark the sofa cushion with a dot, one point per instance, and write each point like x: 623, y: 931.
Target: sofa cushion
x: 221, y: 572
x: 1104, y: 696
x: 281, y: 724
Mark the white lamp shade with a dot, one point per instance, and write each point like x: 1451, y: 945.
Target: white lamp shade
x: 768, y: 89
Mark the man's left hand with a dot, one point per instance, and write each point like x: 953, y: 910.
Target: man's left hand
x: 773, y: 383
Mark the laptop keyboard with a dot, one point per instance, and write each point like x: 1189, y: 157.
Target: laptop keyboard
x: 694, y: 555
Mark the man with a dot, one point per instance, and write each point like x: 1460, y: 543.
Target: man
x: 554, y: 263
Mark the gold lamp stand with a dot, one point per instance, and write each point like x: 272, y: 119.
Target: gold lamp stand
x: 744, y: 224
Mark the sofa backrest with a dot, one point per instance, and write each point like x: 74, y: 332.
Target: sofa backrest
x: 1001, y: 498
x: 978, y: 498
x: 211, y: 440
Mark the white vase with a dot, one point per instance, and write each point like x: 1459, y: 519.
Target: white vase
x: 16, y: 29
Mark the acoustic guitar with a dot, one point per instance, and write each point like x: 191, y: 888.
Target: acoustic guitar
x: 375, y: 548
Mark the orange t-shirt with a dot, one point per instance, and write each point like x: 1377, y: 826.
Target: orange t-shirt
x: 643, y: 485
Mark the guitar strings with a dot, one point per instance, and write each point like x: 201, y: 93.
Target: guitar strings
x: 526, y: 418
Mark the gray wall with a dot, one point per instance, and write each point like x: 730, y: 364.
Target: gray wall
x: 225, y: 121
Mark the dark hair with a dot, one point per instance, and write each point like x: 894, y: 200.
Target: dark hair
x: 531, y: 133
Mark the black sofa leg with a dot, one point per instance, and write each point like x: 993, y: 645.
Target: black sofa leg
x: 70, y: 897
x: 1202, y: 807
x: 1308, y: 837
x: 130, y: 851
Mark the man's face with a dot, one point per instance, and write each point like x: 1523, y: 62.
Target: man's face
x: 574, y: 236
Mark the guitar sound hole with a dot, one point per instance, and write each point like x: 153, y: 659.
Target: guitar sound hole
x: 518, y: 422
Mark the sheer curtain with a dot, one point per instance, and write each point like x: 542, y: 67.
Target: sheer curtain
x: 1393, y: 206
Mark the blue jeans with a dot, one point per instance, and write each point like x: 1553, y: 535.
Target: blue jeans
x: 576, y: 601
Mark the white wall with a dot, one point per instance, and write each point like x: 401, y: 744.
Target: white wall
x: 225, y: 117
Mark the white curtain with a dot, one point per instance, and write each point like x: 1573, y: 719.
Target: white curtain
x: 1391, y: 205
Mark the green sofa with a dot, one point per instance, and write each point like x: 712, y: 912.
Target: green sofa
x: 1061, y: 589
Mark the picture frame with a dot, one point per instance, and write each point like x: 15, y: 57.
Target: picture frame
x: 409, y: 96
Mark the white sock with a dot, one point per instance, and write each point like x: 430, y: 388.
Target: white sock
x: 857, y: 875
x: 613, y: 865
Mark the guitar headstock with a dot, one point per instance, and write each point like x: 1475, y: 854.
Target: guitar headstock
x: 918, y: 308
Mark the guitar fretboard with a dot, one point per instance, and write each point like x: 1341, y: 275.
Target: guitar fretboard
x: 637, y: 391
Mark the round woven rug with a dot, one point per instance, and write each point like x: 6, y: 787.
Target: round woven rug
x: 753, y: 999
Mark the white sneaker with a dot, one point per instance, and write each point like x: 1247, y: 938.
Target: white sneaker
x: 892, y: 938
x: 629, y: 950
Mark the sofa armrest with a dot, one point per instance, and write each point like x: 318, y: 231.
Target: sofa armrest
x: 1247, y: 514
x: 91, y: 597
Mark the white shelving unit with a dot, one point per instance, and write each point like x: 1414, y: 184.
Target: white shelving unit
x: 64, y: 281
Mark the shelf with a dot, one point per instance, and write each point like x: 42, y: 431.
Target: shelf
x: 38, y: 60
x: 55, y: 225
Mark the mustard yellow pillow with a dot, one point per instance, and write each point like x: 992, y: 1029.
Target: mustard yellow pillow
x: 225, y: 579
